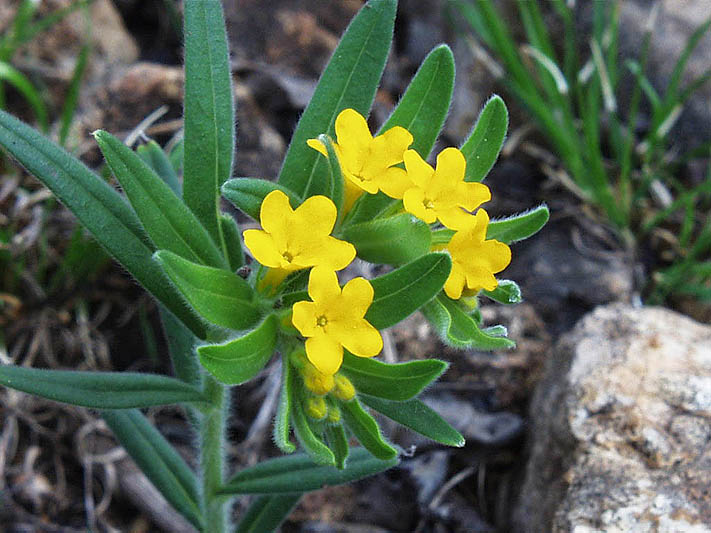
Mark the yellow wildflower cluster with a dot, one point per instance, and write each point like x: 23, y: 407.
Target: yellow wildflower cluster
x: 295, y: 239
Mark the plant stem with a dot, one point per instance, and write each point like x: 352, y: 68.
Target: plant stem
x: 212, y: 435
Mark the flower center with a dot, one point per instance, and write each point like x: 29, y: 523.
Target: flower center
x: 429, y: 204
x: 321, y: 321
x: 360, y: 178
x: 287, y: 257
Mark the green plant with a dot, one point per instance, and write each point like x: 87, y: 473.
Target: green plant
x: 225, y: 319
x: 574, y: 103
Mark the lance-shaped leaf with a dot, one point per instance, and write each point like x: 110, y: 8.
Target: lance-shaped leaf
x: 158, y: 160
x: 460, y: 330
x: 518, y: 227
x: 334, y: 186
x: 422, y: 111
x: 158, y: 460
x: 338, y: 442
x: 282, y: 419
x: 233, y: 242
x: 506, y: 292
x: 313, y: 445
x: 167, y: 220
x: 417, y: 416
x: 298, y: 473
x: 239, y: 360
x: 391, y: 241
x: 266, y: 513
x: 220, y: 296
x: 209, y: 112
x: 366, y: 430
x: 98, y: 207
x: 99, y: 390
x: 400, y: 381
x: 403, y: 291
x: 247, y: 194
x: 349, y: 81
x: 482, y: 147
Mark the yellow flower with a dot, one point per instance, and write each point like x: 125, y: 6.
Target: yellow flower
x: 442, y: 194
x: 474, y: 259
x: 368, y: 163
x: 334, y: 320
x: 297, y: 239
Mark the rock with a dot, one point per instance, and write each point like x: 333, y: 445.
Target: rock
x: 620, y: 428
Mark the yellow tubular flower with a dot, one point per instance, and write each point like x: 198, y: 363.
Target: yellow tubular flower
x: 297, y: 239
x: 442, y: 194
x: 368, y: 163
x: 474, y: 259
x: 334, y: 320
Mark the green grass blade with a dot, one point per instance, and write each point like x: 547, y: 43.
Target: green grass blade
x: 71, y: 100
x: 158, y: 460
x: 349, y: 81
x: 266, y: 513
x: 99, y: 207
x: 99, y: 390
x: 209, y: 112
x: 167, y: 220
x: 28, y: 91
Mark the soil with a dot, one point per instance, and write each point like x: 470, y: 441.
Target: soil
x: 53, y: 479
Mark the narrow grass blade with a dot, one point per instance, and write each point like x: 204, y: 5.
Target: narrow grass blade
x: 99, y: 390
x: 266, y: 513
x: 99, y: 207
x: 298, y: 473
x: 209, y: 112
x: 158, y: 460
x: 482, y: 147
x: 417, y: 416
x: 167, y: 220
x: 398, y: 382
x: 403, y: 291
x: 24, y: 86
x: 349, y: 81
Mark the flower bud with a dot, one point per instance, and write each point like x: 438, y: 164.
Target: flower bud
x: 317, y: 382
x: 334, y: 414
x: 316, y: 407
x: 344, y: 389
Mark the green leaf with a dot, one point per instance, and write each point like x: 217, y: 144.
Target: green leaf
x: 283, y: 411
x: 398, y: 382
x: 334, y: 188
x: 266, y: 513
x: 391, y: 241
x: 518, y: 227
x: 98, y: 207
x: 209, y: 112
x: 298, y: 473
x: 417, y: 416
x: 181, y: 347
x: 422, y: 111
x: 233, y: 242
x: 349, y: 81
x: 71, y: 100
x: 458, y: 329
x: 366, y: 430
x: 338, y: 442
x: 403, y: 291
x: 158, y: 460
x: 506, y: 292
x: 239, y: 360
x: 158, y: 160
x: 24, y: 86
x: 220, y: 296
x: 168, y: 221
x: 99, y: 390
x: 482, y: 147
x: 247, y: 194
x: 314, y: 446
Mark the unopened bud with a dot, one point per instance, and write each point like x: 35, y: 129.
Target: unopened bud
x: 334, y: 414
x: 344, y: 389
x: 316, y: 407
x: 317, y: 382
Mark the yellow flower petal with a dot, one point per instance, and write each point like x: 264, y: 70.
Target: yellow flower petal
x: 451, y: 165
x: 323, y: 285
x: 396, y: 140
x: 262, y: 247
x: 472, y: 195
x: 324, y: 353
x: 304, y: 318
x: 394, y: 182
x: 329, y: 252
x: 316, y: 215
x: 414, y: 202
x: 362, y: 339
x: 418, y: 170
x: 453, y: 217
x: 358, y: 295
x: 275, y: 212
x: 455, y: 282
x: 354, y: 138
x: 318, y: 146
